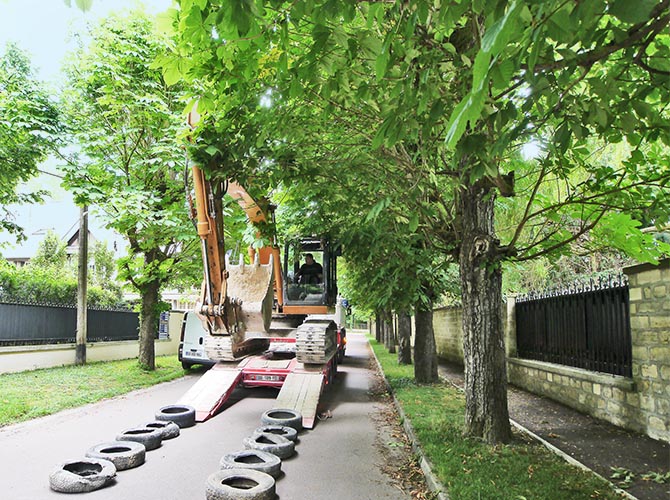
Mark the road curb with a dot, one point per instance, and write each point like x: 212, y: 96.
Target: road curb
x: 434, y: 484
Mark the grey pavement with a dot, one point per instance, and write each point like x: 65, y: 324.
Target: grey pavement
x: 339, y: 458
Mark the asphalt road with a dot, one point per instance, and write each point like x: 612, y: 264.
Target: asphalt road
x: 340, y: 458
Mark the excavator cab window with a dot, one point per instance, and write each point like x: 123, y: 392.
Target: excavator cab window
x: 309, y: 272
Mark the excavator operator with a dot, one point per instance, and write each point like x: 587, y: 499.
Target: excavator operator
x: 311, y: 272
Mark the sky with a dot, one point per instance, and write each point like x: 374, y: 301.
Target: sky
x: 42, y: 29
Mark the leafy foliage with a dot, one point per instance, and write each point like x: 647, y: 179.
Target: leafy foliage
x: 29, y: 128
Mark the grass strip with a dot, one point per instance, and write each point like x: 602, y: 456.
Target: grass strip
x: 471, y: 469
x: 37, y: 393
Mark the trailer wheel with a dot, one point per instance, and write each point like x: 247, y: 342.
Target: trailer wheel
x: 261, y: 461
x: 169, y: 430
x: 271, y: 443
x: 284, y: 417
x: 182, y: 415
x: 240, y: 484
x: 150, y: 438
x: 123, y: 454
x: 280, y: 430
x: 79, y: 476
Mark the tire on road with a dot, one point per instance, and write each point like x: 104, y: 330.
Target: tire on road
x: 123, y: 454
x: 240, y: 484
x: 170, y: 429
x: 80, y: 476
x: 182, y: 415
x: 280, y: 430
x: 150, y: 438
x: 283, y: 417
x: 261, y: 461
x: 270, y: 443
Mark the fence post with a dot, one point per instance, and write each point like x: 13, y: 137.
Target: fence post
x: 510, y: 326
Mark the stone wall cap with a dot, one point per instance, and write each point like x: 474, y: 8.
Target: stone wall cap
x: 639, y: 268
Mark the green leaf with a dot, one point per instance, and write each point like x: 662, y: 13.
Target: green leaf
x: 632, y: 11
x: 468, y: 110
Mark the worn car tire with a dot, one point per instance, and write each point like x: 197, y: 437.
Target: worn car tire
x: 240, y: 484
x: 123, y: 454
x: 182, y: 415
x: 150, y: 438
x: 283, y: 417
x: 170, y: 429
x: 280, y: 430
x: 79, y: 476
x: 271, y: 443
x: 261, y: 461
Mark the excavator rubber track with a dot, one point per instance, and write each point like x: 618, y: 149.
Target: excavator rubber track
x: 316, y: 341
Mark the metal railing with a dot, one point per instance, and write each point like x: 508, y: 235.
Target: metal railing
x: 586, y: 327
x: 35, y: 324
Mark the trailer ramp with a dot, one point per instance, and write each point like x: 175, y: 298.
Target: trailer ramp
x: 212, y: 390
x: 301, y: 391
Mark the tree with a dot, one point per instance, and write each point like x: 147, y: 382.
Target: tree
x: 126, y: 121
x: 51, y: 254
x: 449, y: 92
x: 29, y: 127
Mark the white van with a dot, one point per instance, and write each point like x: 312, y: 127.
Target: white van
x: 192, y: 342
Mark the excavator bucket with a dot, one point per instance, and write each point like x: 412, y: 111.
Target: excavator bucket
x: 252, y: 284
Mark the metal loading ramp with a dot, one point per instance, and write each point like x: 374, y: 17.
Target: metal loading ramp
x: 212, y: 390
x: 300, y: 392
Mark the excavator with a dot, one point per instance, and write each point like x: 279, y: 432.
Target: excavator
x: 265, y: 306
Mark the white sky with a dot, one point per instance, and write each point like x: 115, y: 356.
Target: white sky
x: 42, y: 27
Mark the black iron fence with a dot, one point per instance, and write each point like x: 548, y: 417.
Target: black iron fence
x: 585, y: 327
x: 33, y: 324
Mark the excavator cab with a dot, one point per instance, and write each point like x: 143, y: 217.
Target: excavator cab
x: 306, y: 290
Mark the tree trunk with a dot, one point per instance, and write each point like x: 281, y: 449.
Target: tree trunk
x: 425, y: 351
x: 404, y: 339
x: 82, y: 283
x: 149, y: 316
x: 486, y: 413
x: 389, y: 331
x: 378, y: 327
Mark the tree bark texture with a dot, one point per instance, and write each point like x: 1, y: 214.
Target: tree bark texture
x: 486, y: 413
x: 425, y: 350
x: 378, y: 327
x: 404, y: 339
x: 82, y: 290
x: 149, y: 324
x: 389, y: 331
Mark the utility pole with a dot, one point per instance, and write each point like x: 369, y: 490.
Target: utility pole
x: 82, y: 278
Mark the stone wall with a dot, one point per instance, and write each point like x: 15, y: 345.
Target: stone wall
x: 640, y: 403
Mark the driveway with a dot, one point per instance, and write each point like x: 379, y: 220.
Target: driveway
x: 342, y: 457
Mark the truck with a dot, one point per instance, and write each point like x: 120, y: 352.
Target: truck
x: 264, y: 324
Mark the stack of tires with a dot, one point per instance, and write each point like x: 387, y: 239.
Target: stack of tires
x: 101, y: 462
x: 250, y: 474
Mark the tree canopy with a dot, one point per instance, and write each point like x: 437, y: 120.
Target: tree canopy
x: 427, y: 105
x: 29, y: 130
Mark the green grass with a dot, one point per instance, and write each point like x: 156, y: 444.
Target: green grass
x: 471, y: 469
x: 38, y: 393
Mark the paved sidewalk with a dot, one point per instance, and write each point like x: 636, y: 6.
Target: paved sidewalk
x: 343, y: 457
x: 596, y: 444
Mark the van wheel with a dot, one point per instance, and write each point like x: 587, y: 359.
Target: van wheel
x: 79, y: 476
x: 186, y: 365
x: 240, y: 484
